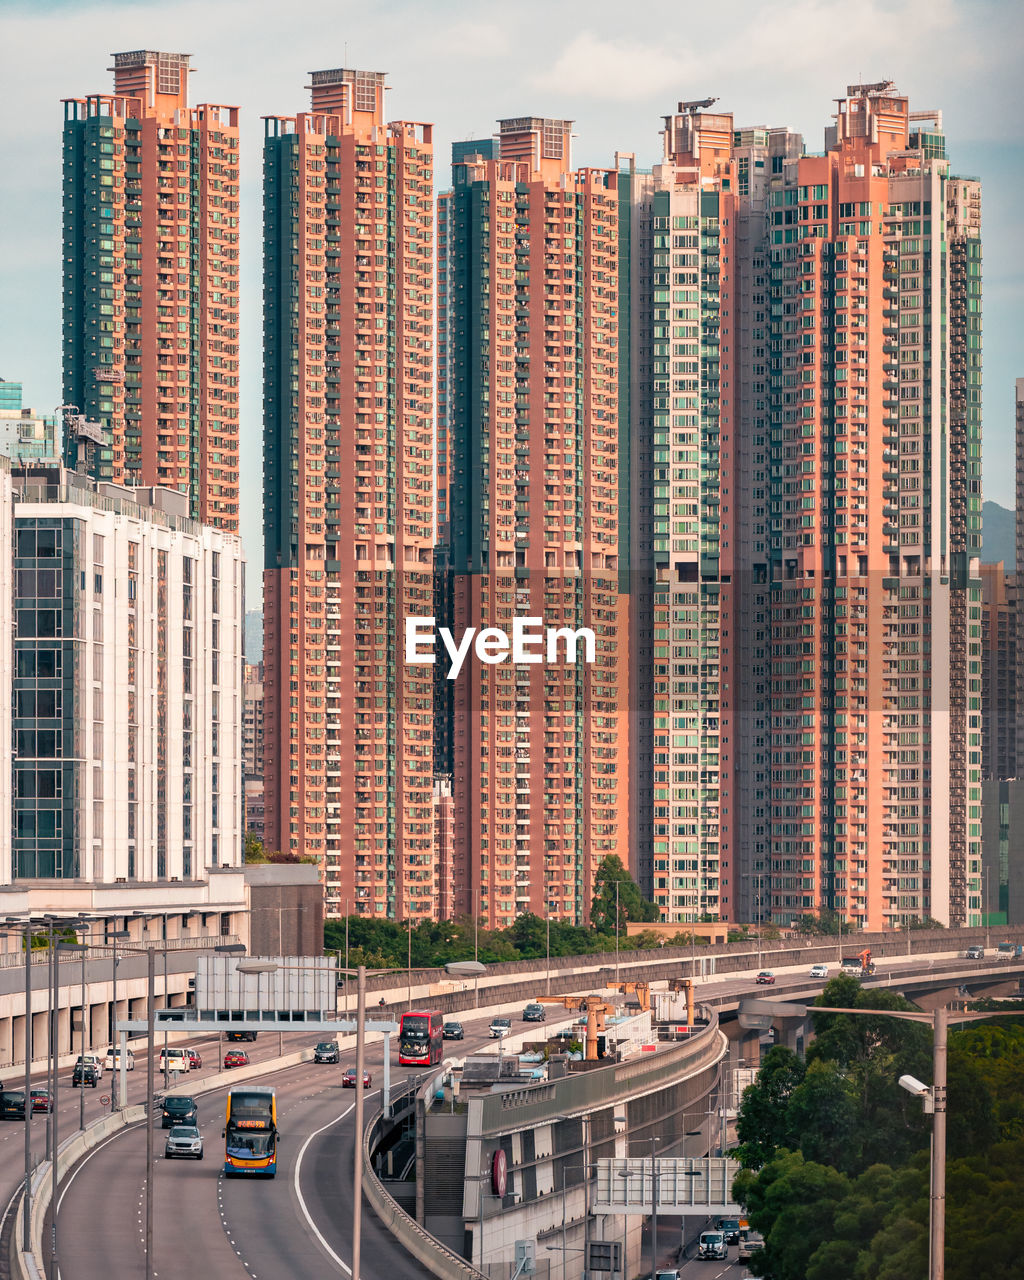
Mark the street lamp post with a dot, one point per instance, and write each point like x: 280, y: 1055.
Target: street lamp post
x: 13, y: 925
x: 357, y: 1170
x: 625, y: 1173
x: 654, y: 1210
x: 468, y: 969
x: 616, y: 930
x: 113, y: 935
x: 27, y: 1199
x: 409, y: 963
x: 547, y: 922
x: 55, y: 1148
x: 150, y: 1169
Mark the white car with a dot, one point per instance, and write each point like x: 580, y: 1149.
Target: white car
x: 819, y: 970
x: 500, y: 1027
x: 113, y: 1060
x: 184, y: 1141
x: 91, y: 1058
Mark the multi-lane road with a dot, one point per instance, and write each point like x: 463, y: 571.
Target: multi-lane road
x: 297, y: 1225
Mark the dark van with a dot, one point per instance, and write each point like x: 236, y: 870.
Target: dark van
x: 12, y: 1104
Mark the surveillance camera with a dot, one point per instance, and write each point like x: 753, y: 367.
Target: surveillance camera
x: 914, y: 1086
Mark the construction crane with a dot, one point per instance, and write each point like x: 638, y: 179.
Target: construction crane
x: 642, y: 991
x: 595, y: 1007
x: 684, y: 984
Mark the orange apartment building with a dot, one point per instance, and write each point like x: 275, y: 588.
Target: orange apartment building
x: 804, y: 513
x: 348, y: 470
x: 683, y: 515
x: 529, y: 396
x: 874, y: 508
x: 151, y: 285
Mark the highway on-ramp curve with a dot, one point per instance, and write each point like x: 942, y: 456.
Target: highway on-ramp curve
x: 289, y: 1228
x: 294, y: 1226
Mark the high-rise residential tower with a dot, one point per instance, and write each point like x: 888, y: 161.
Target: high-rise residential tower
x: 530, y: 402
x: 349, y: 521
x: 151, y: 285
x: 874, y: 520
x: 805, y: 490
x: 683, y: 320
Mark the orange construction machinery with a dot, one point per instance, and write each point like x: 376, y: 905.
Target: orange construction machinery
x: 684, y: 984
x: 595, y: 1007
x: 641, y: 990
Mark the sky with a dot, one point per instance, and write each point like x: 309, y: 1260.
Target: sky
x: 613, y: 68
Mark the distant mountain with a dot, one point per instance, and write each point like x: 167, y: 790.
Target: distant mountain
x: 998, y: 538
x: 254, y: 636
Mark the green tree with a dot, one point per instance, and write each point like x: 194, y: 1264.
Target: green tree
x: 826, y: 922
x: 761, y: 1124
x: 793, y: 1202
x: 254, y: 848
x: 632, y: 904
x: 822, y: 1117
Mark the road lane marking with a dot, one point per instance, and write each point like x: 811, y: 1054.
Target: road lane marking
x: 298, y: 1191
x: 89, y: 1155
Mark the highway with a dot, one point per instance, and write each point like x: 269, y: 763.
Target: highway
x: 296, y: 1225
x: 299, y: 1224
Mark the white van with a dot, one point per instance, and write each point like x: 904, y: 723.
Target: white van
x: 712, y: 1245
x: 174, y: 1059
x: 113, y: 1059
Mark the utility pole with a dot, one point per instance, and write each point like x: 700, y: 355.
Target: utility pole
x: 150, y: 1082
x: 357, y: 1170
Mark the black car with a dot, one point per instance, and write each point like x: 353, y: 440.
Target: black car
x: 730, y: 1228
x: 534, y: 1013
x: 12, y: 1104
x: 234, y: 1037
x: 178, y: 1110
x: 85, y: 1073
x: 326, y: 1051
x: 454, y: 1031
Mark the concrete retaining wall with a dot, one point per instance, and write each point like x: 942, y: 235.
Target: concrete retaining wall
x: 435, y: 1257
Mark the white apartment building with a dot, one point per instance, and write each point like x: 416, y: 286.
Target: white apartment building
x: 127, y: 686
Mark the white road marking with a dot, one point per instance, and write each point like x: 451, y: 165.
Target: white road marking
x: 298, y: 1192
x: 82, y: 1163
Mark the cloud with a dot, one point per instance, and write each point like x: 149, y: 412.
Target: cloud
x: 590, y: 66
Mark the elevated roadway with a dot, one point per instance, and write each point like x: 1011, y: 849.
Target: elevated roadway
x: 299, y: 1225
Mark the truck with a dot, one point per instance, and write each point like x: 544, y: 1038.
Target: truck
x: 861, y: 963
x: 750, y: 1242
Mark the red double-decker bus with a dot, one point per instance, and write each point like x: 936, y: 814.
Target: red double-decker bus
x: 420, y: 1038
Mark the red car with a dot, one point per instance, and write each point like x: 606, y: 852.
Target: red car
x: 41, y: 1100
x: 236, y: 1058
x: 765, y: 978
x: 348, y: 1080
x: 195, y: 1060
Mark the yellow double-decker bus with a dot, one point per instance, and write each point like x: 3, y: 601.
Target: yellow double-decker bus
x: 250, y: 1132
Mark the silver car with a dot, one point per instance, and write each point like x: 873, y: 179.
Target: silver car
x: 184, y: 1140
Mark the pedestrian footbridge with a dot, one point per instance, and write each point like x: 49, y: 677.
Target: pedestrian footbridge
x: 666, y: 1186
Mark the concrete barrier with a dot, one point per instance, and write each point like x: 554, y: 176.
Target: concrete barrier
x: 436, y: 1257
x: 28, y: 1264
